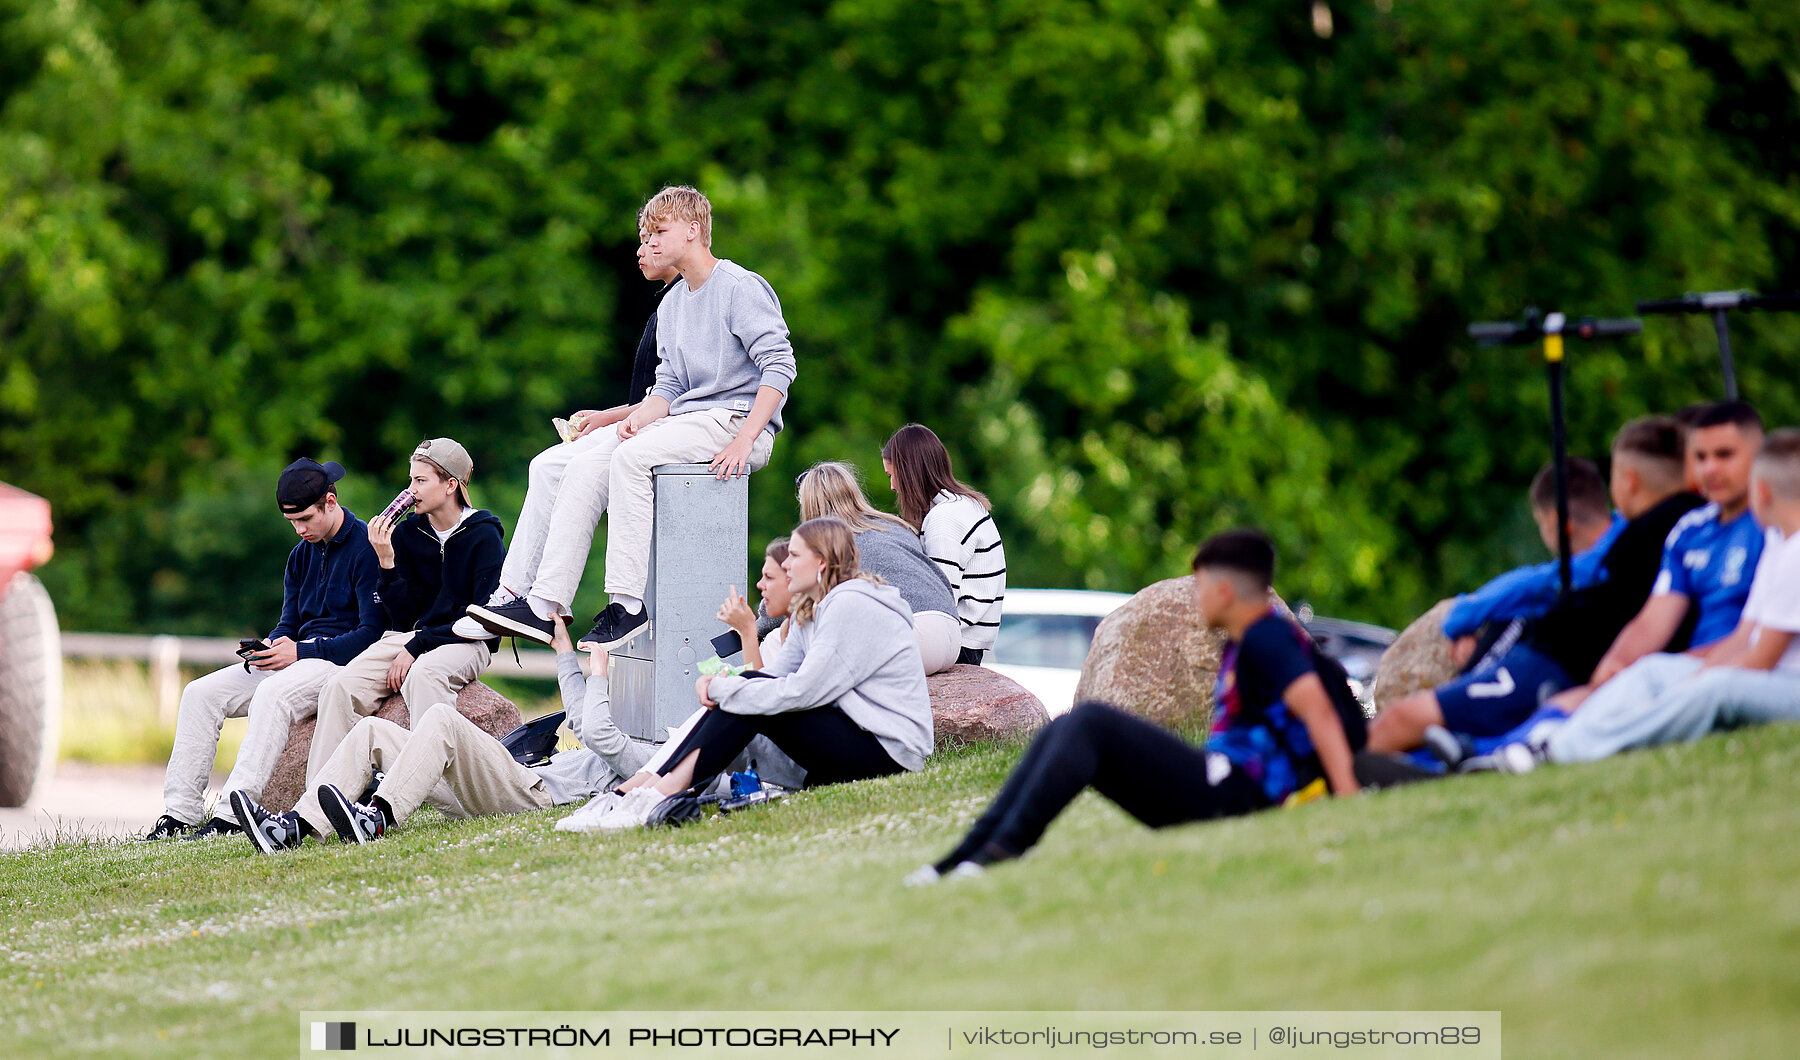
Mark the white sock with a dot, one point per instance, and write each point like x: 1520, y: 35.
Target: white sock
x: 631, y: 604
x: 544, y: 609
x: 502, y: 596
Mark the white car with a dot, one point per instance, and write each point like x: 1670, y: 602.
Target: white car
x: 1044, y: 639
x: 1045, y: 635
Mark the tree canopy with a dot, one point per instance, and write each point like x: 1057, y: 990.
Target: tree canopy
x: 1151, y: 269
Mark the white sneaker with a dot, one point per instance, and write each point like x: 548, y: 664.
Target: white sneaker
x: 968, y: 870
x: 590, y: 813
x: 1515, y: 758
x: 923, y: 876
x: 633, y: 810
x: 469, y: 629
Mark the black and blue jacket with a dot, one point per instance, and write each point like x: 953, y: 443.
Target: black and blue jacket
x: 431, y: 585
x: 328, y: 604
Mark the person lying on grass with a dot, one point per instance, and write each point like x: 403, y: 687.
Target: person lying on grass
x: 845, y: 697
x: 445, y: 748
x: 1279, y: 729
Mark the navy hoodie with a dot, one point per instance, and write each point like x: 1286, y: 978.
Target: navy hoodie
x: 328, y: 603
x: 432, y: 585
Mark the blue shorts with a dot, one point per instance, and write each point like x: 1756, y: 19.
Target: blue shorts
x: 1501, y: 692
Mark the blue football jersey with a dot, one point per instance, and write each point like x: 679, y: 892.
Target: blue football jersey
x: 1712, y: 564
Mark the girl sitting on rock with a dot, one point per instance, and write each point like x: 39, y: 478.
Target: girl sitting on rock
x: 890, y: 550
x: 844, y: 696
x: 960, y: 535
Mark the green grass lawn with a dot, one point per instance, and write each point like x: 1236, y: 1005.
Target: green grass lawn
x: 1647, y: 906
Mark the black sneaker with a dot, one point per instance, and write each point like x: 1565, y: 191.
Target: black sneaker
x: 613, y: 627
x: 516, y: 619
x: 673, y: 812
x: 355, y: 822
x: 268, y: 831
x: 214, y: 828
x: 167, y: 827
x: 368, y: 793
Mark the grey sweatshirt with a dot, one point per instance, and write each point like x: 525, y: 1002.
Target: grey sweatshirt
x: 606, y: 758
x: 894, y: 553
x: 717, y: 345
x: 859, y: 653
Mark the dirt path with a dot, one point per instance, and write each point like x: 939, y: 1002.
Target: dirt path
x: 87, y: 800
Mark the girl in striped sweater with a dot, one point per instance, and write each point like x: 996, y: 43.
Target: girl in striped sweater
x: 959, y: 532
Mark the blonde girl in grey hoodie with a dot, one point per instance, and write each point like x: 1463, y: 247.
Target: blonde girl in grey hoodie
x: 845, y: 695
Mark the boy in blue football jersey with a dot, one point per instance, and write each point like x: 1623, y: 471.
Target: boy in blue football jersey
x: 1279, y: 729
x: 1707, y: 567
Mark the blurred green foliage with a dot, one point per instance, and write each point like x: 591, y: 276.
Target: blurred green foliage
x: 1152, y: 269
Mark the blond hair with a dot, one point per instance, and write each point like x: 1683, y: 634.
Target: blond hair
x: 833, y: 542
x: 831, y: 489
x: 678, y: 202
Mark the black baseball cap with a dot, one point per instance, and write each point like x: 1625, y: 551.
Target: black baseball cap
x: 304, y: 482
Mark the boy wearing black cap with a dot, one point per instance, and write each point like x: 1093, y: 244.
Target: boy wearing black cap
x: 434, y: 564
x: 329, y: 613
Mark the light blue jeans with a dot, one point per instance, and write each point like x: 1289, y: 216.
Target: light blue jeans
x: 1622, y: 712
x: 1687, y: 708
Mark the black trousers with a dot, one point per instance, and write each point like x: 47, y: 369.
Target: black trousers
x: 1153, y: 774
x: 971, y: 656
x: 823, y: 741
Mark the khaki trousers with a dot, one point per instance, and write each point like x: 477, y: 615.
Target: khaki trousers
x: 442, y: 747
x: 274, y: 699
x: 572, y: 484
x: 361, y: 685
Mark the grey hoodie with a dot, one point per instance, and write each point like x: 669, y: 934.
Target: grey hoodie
x: 859, y: 653
x: 606, y: 758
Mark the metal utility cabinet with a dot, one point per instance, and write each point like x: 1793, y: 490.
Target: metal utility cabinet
x: 698, y: 551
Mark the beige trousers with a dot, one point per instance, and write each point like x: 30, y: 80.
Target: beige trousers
x: 274, y: 699
x: 361, y: 685
x: 442, y: 747
x: 571, y: 485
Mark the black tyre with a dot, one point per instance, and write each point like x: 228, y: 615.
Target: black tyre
x: 30, y: 689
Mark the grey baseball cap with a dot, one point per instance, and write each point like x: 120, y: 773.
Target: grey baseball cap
x: 449, y: 454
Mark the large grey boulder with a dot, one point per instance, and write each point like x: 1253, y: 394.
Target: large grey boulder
x: 1154, y: 657
x: 1418, y: 659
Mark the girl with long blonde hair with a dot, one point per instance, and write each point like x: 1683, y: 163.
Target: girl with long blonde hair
x: 891, y: 550
x: 844, y: 697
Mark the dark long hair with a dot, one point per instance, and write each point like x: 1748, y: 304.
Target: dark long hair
x: 921, y: 467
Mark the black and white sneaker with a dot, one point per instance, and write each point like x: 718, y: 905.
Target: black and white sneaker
x: 613, y: 627
x: 214, y: 828
x: 167, y: 827
x: 355, y: 822
x: 268, y: 831
x: 516, y: 619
